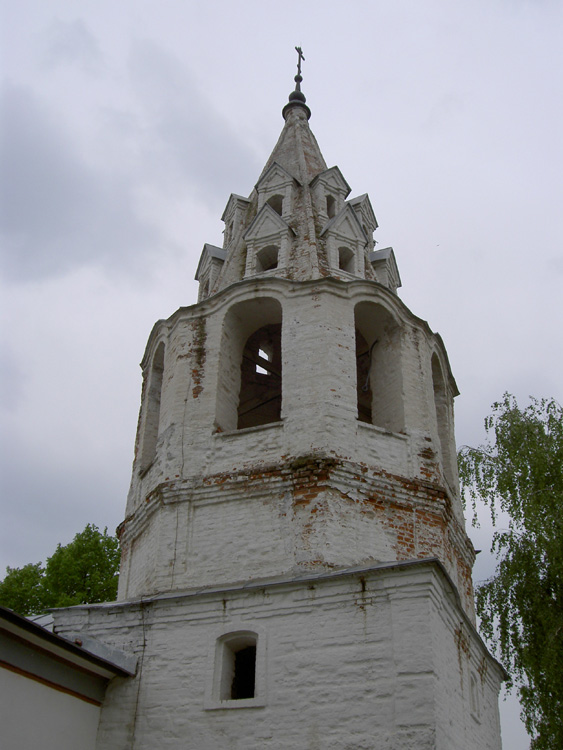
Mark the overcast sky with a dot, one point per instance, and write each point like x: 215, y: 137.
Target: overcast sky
x: 125, y: 127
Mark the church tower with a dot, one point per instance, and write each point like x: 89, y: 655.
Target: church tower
x: 295, y: 567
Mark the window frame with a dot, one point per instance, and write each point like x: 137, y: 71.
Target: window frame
x: 219, y: 643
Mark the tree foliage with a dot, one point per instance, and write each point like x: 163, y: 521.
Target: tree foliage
x: 519, y: 471
x: 82, y: 572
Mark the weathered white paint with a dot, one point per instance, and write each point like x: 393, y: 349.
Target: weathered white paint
x: 333, y: 544
x: 379, y: 658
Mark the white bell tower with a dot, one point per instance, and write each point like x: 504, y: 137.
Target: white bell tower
x: 296, y: 571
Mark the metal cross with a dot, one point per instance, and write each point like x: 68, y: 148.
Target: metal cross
x: 301, y: 56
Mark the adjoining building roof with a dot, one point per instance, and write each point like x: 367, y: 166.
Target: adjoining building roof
x: 25, y: 646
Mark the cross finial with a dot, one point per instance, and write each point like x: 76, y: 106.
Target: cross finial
x: 300, y: 56
x: 297, y: 97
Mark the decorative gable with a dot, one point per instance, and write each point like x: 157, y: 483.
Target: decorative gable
x: 208, y: 269
x: 234, y: 217
x: 333, y: 180
x: 345, y: 225
x: 268, y: 223
x: 364, y: 211
x: 330, y: 190
x: 267, y: 241
x: 275, y: 188
x: 346, y: 242
x: 386, y: 270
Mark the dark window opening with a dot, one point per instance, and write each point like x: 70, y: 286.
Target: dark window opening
x: 345, y: 259
x: 330, y: 206
x: 244, y: 677
x: 363, y: 378
x: 261, y: 378
x: 276, y: 202
x: 267, y: 259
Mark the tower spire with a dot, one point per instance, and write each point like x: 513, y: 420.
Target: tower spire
x: 297, y: 97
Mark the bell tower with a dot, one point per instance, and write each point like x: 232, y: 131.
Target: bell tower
x: 294, y: 541
x: 299, y: 417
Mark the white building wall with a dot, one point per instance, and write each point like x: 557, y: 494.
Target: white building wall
x: 358, y: 660
x: 34, y: 715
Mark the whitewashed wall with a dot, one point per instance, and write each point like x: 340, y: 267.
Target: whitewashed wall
x: 381, y: 658
x: 34, y: 715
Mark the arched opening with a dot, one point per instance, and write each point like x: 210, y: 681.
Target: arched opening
x: 379, y: 379
x: 276, y: 202
x: 363, y: 373
x: 261, y: 378
x: 346, y: 259
x: 267, y: 259
x: 152, y: 408
x: 330, y: 206
x: 442, y: 417
x: 250, y: 370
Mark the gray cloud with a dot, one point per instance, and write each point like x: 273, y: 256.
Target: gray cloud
x: 58, y: 212
x: 72, y: 43
x: 12, y: 379
x: 184, y: 131
x: 61, y: 501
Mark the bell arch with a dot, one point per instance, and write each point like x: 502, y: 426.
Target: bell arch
x: 250, y: 365
x: 379, y: 378
x: 267, y: 258
x: 276, y: 202
x: 346, y: 260
x: 152, y: 408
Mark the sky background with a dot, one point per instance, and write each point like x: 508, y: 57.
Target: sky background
x: 126, y: 126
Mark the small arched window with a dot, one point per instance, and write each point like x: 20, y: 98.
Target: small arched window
x: 238, y: 679
x: 346, y: 259
x: 276, y: 202
x: 330, y: 206
x: 152, y: 408
x: 267, y: 259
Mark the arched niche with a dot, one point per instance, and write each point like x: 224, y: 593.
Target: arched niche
x: 379, y: 378
x: 267, y: 258
x: 276, y: 202
x: 250, y: 370
x: 443, y: 419
x: 346, y: 259
x: 153, y: 397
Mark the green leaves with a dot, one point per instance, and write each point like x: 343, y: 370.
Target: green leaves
x: 519, y: 470
x: 84, y: 571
